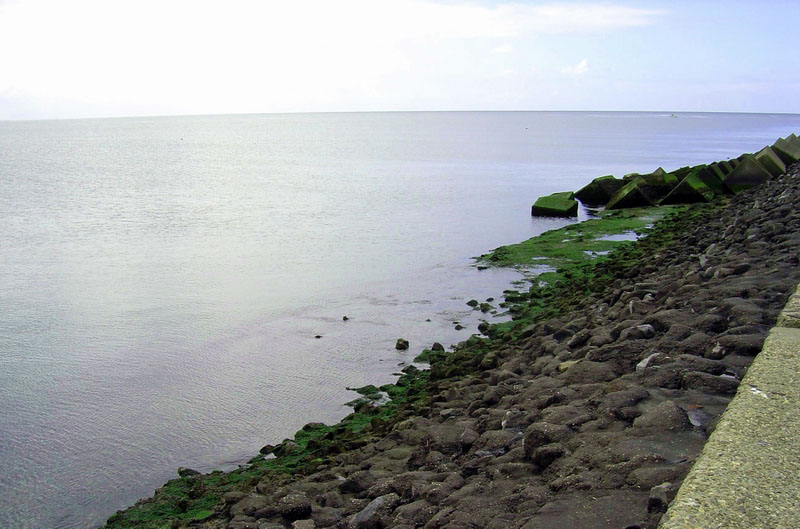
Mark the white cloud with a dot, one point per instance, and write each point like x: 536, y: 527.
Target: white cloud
x: 578, y: 69
x: 505, y: 48
x: 256, y: 56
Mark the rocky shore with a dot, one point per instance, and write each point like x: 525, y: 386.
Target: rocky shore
x: 586, y: 412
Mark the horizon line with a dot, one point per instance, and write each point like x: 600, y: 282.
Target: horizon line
x: 211, y: 114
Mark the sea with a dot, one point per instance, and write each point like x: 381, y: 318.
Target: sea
x: 173, y: 290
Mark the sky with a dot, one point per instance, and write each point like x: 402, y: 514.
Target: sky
x: 97, y: 58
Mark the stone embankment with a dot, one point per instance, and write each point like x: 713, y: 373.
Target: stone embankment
x: 591, y: 418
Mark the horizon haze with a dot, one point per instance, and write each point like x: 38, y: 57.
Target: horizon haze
x: 90, y: 58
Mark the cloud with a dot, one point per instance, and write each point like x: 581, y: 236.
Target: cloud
x: 505, y: 48
x: 579, y: 69
x: 263, y: 55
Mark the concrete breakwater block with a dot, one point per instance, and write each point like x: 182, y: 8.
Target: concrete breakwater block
x: 788, y: 149
x: 599, y: 191
x: 556, y: 205
x: 689, y: 191
x: 770, y: 161
x: 712, y: 176
x: 629, y: 196
x: 748, y: 173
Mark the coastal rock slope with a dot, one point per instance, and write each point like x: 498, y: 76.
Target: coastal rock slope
x: 590, y: 419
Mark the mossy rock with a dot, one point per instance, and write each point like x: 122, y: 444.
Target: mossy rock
x: 788, y: 150
x: 748, y: 173
x: 556, y: 205
x: 690, y: 190
x: 599, y: 191
x: 770, y: 161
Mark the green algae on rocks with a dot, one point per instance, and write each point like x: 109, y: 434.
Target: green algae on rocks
x: 556, y: 205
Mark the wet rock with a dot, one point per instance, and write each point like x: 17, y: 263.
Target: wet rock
x: 665, y: 416
x: 416, y: 514
x: 373, y: 515
x: 579, y: 339
x: 187, y: 472
x: 249, y: 505
x: 725, y: 385
x: 639, y: 332
x: 743, y: 344
x: 546, y: 454
x: 402, y: 344
x: 542, y: 433
x: 232, y: 497
x: 588, y: 371
x: 357, y: 482
x: 659, y: 497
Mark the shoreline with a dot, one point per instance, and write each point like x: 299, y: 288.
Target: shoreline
x: 342, y: 470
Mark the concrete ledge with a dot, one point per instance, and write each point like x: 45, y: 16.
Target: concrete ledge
x: 748, y: 475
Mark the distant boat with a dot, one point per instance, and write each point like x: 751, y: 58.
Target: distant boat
x: 673, y: 116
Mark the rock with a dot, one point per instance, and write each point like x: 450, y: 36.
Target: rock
x: 286, y: 447
x: 371, y: 516
x: 579, y: 339
x: 665, y: 416
x: 233, y: 496
x: 185, y: 472
x: 639, y: 332
x: 542, y: 433
x: 546, y: 454
x: 304, y: 524
x: 587, y: 371
x: 357, y: 482
x: 249, y: 505
x: 659, y: 497
x: 437, y: 347
x: 700, y: 381
x: 556, y: 205
x: 402, y: 344
x: 294, y: 506
x: 266, y: 449
x: 345, y: 318
x: 641, y: 366
x: 743, y: 344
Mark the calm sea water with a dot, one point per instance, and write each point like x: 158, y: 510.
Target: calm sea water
x: 162, y: 280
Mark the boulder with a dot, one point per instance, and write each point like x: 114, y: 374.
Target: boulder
x: 556, y: 205
x: 373, y: 515
x: 402, y: 344
x: 599, y: 191
x: 187, y: 472
x: 689, y: 191
x: 748, y: 173
x: 770, y: 161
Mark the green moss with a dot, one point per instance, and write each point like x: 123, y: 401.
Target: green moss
x: 556, y: 205
x: 575, y: 243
